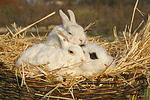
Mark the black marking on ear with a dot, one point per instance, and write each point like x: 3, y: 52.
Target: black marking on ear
x: 93, y: 55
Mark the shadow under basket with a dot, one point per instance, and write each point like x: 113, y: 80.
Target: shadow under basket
x: 101, y: 87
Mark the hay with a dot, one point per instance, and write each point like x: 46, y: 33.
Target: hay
x: 126, y: 81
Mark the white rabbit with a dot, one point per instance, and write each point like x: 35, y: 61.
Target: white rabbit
x: 41, y: 54
x: 74, y: 32
x: 96, y: 60
x: 30, y: 53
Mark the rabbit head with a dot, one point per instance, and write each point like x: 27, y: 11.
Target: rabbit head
x: 96, y: 58
x: 75, y: 52
x: 75, y: 33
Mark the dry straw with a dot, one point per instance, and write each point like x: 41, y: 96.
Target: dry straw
x: 126, y: 81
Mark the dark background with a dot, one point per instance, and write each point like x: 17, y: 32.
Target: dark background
x: 106, y: 13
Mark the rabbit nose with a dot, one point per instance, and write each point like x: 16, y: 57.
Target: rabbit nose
x: 82, y: 60
x: 105, y: 65
x: 80, y: 40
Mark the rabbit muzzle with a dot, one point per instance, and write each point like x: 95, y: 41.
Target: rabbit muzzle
x: 82, y: 59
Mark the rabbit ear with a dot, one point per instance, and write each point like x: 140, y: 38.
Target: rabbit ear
x: 65, y: 19
x: 63, y: 40
x: 72, y: 16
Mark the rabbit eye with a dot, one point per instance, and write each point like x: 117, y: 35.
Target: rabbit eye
x: 71, y: 52
x: 93, y: 56
x: 70, y: 33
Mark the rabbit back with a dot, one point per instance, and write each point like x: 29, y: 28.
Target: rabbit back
x: 53, y: 39
x: 50, y: 56
x: 29, y: 53
x: 56, y: 58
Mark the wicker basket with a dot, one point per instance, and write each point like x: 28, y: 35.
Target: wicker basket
x: 102, y: 87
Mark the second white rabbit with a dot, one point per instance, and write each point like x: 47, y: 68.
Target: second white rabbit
x: 42, y: 53
x: 74, y: 32
x: 96, y: 59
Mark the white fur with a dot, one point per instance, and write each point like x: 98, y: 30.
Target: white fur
x: 92, y: 66
x: 42, y: 53
x: 77, y: 35
x: 30, y: 53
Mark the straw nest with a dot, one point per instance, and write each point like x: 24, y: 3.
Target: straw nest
x: 126, y: 81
